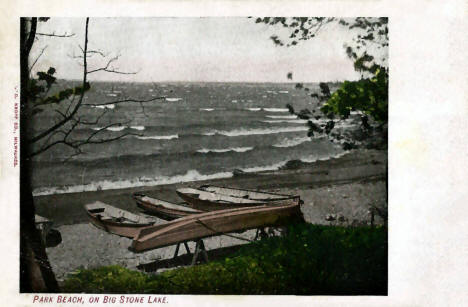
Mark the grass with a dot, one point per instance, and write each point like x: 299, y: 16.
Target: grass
x: 309, y: 260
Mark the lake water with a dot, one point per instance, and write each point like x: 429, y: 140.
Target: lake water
x: 199, y: 131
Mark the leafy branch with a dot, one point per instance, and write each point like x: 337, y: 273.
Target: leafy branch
x: 367, y: 97
x: 69, y: 121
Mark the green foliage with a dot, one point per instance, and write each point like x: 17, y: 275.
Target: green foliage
x: 309, y: 260
x: 368, y: 49
x: 367, y: 95
x: 109, y: 279
x: 40, y: 87
x: 42, y: 84
x: 47, y: 77
x: 65, y: 94
x: 369, y: 32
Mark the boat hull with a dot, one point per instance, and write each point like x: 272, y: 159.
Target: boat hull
x: 210, y: 205
x: 120, y: 230
x: 214, y: 223
x: 97, y: 217
x: 162, y: 211
x: 244, y: 193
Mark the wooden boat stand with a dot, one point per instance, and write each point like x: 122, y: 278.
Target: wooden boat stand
x: 44, y: 225
x: 199, y: 248
x: 260, y: 234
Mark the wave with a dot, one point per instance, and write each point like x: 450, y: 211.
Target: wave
x: 282, y: 116
x: 292, y: 121
x: 276, y: 109
x: 158, y: 137
x: 277, y: 166
x: 254, y: 109
x: 112, y: 95
x: 140, y: 128
x: 107, y: 106
x: 292, y: 142
x: 119, y: 128
x: 272, y: 167
x: 209, y: 133
x: 314, y: 158
x: 173, y: 99
x: 236, y: 149
x: 191, y: 175
x: 283, y: 92
x: 207, y: 109
x: 239, y: 132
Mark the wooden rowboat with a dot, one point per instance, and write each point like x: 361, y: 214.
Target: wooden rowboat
x: 115, y: 220
x: 209, y: 201
x: 214, y: 223
x: 161, y: 208
x: 210, y: 198
x: 246, y: 194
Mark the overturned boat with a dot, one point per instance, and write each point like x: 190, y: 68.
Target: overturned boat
x: 161, y: 208
x: 198, y: 226
x: 209, y: 197
x: 115, y: 220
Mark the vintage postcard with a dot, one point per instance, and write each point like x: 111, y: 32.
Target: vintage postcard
x: 180, y: 158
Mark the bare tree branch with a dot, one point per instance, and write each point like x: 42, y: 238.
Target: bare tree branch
x: 62, y: 141
x: 77, y: 144
x: 89, y: 53
x: 107, y: 68
x: 61, y: 114
x: 86, y: 123
x: 35, y: 61
x: 124, y: 100
x: 90, y: 137
x: 56, y: 35
x: 97, y: 52
x: 72, y: 100
x: 75, y: 109
x: 93, y: 52
x: 69, y: 120
x: 143, y: 109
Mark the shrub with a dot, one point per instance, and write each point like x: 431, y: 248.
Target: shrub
x: 310, y: 260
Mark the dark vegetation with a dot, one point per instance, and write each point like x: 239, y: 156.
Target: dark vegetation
x: 368, y: 96
x: 309, y: 260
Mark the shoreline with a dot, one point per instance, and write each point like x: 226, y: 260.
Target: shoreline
x: 337, y: 191
x: 190, y: 175
x: 354, y: 166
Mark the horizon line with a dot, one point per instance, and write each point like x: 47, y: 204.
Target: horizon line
x: 182, y: 81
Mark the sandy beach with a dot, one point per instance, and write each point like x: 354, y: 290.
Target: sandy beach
x: 342, y: 189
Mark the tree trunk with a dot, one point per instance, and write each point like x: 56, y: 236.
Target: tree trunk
x: 36, y: 274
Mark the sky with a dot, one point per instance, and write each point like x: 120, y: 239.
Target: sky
x: 212, y: 49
